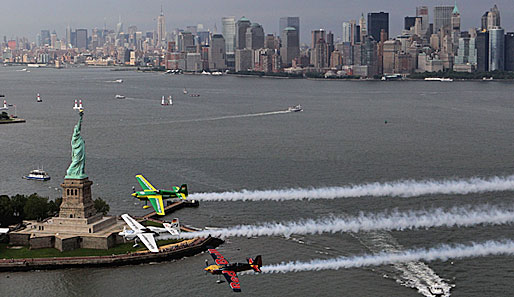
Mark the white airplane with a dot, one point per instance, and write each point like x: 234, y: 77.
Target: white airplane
x: 78, y: 106
x: 148, y: 235
x: 5, y: 107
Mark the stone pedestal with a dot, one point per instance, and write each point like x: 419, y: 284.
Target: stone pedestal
x: 76, y: 199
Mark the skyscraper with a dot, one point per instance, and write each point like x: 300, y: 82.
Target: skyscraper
x: 229, y: 33
x: 241, y: 26
x: 496, y: 49
x: 442, y: 17
x: 363, y: 31
x: 493, y: 18
x: 289, y: 22
x: 161, y: 28
x: 348, y: 31
x: 409, y: 22
x: 45, y: 37
x: 509, y: 51
x: 68, y: 35
x: 482, y: 46
x: 378, y: 21
x: 422, y: 12
x: 290, y: 45
x: 254, y: 36
x: 217, y: 53
x: 81, y: 38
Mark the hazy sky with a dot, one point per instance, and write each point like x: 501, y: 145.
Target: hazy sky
x: 28, y: 17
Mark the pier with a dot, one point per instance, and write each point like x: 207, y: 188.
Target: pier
x: 171, y: 208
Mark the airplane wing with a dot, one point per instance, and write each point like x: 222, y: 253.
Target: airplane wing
x: 218, y: 257
x: 145, y: 185
x: 156, y: 201
x: 149, y: 242
x: 232, y: 280
x: 133, y: 224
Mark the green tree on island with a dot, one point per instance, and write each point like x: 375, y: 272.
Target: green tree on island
x: 101, y: 206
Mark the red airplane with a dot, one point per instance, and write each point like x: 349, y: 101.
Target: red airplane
x: 229, y: 271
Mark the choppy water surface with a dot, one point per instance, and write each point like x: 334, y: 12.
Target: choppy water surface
x: 236, y: 136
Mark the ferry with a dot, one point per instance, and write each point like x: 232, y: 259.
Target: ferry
x: 37, y: 174
x: 169, y: 102
x: 194, y: 95
x: 39, y: 98
x: 120, y: 97
x: 438, y: 79
x: 296, y: 108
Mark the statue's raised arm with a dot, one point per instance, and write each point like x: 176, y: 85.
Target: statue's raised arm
x: 78, y: 153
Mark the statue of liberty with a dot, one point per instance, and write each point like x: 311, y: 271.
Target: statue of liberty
x: 78, y: 153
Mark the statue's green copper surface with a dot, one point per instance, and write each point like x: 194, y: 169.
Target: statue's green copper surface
x: 78, y: 153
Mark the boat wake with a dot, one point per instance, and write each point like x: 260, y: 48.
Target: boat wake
x: 412, y: 274
x: 402, y: 188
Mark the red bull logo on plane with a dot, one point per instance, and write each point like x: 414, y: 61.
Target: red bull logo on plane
x: 234, y: 279
x: 220, y: 260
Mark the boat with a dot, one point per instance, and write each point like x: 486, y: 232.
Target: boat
x: 438, y: 79
x: 119, y: 81
x: 487, y: 78
x: 170, y: 100
x: 185, y: 91
x: 39, y: 98
x: 37, y: 174
x: 295, y: 108
x: 217, y: 73
x: 163, y: 101
x: 120, y: 97
x: 194, y: 95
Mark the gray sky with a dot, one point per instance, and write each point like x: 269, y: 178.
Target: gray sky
x: 28, y: 17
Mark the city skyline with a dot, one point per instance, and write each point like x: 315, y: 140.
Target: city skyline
x: 328, y: 15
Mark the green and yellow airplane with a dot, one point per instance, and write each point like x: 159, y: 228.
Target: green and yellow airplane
x: 150, y: 193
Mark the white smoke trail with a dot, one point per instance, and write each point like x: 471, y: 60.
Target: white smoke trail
x: 403, y: 188
x: 455, y: 217
x: 443, y: 253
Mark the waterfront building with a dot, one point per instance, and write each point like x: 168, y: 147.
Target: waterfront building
x: 509, y: 51
x: 217, y: 53
x: 254, y: 37
x: 229, y: 33
x: 241, y: 26
x: 442, y: 17
x: 378, y: 21
x: 391, y: 48
x: 290, y: 45
x: 496, y: 49
x: 466, y: 58
x: 244, y: 60
x: 194, y: 62
x: 161, y: 28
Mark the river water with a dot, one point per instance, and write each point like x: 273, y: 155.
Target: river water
x: 235, y: 136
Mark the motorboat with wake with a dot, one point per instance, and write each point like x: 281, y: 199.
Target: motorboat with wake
x: 38, y: 99
x: 119, y: 97
x: 164, y: 102
x: 295, y: 108
x: 37, y: 174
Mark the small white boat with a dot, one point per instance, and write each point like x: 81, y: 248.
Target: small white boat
x: 295, y: 108
x: 119, y: 81
x: 487, y: 78
x: 163, y: 101
x: 438, y: 79
x: 120, y: 97
x: 37, y: 174
x: 39, y: 98
x: 170, y: 100
x: 185, y: 91
x: 217, y: 73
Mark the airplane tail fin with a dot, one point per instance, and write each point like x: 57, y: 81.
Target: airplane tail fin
x: 183, y: 191
x: 256, y: 264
